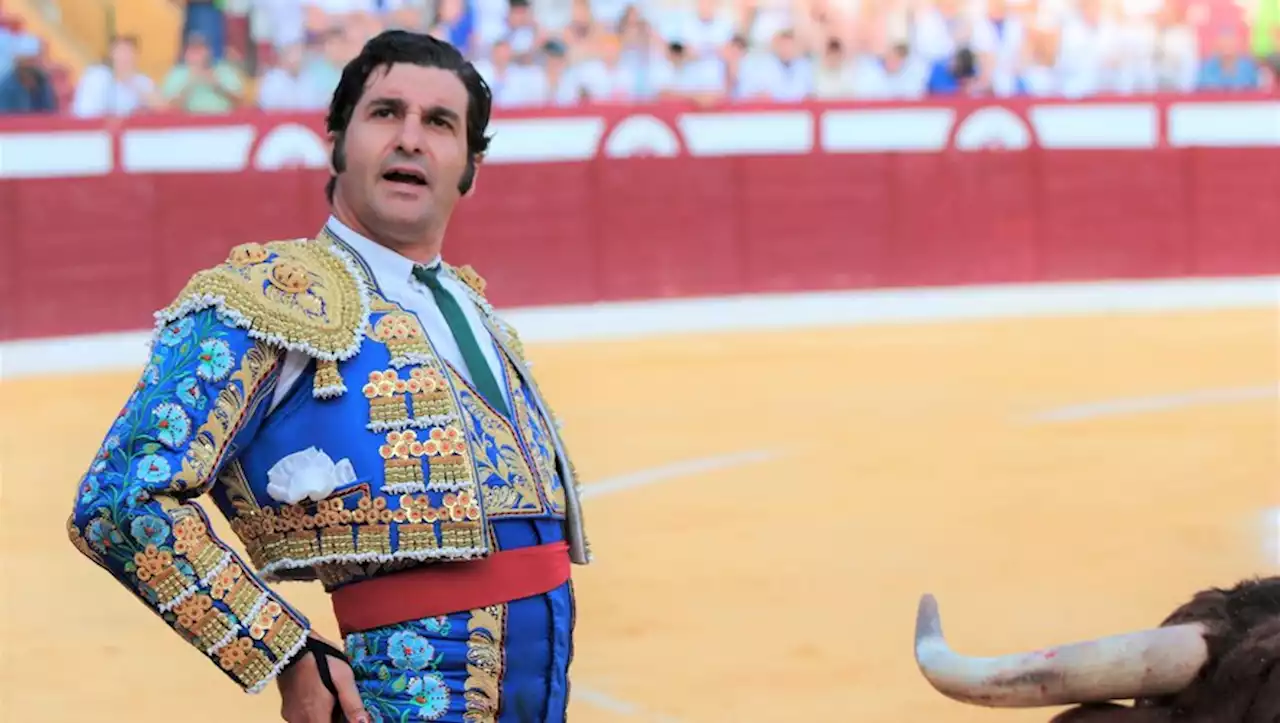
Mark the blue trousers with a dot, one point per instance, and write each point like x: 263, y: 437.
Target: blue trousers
x: 506, y: 663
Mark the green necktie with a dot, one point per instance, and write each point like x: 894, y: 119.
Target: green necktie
x: 481, y: 375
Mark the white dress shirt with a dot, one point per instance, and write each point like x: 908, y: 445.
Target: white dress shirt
x: 394, y: 276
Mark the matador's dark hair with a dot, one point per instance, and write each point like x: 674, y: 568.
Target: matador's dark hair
x: 400, y: 46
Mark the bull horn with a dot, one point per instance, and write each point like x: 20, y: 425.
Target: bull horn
x: 1134, y: 665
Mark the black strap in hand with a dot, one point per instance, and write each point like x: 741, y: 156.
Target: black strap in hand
x: 322, y: 651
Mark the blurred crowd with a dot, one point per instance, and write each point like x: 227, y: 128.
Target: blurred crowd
x: 286, y: 55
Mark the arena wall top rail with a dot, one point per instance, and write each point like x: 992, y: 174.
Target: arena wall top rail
x: 66, y: 147
x: 102, y: 223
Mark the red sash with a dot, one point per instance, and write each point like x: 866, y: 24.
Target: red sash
x: 440, y: 589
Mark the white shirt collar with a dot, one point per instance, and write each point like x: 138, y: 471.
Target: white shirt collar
x: 384, y: 262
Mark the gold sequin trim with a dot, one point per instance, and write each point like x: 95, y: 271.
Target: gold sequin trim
x: 486, y: 662
x: 292, y: 538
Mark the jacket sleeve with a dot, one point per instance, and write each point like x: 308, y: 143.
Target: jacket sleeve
x: 202, y: 395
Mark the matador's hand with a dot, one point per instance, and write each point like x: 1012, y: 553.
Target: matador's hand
x: 304, y: 695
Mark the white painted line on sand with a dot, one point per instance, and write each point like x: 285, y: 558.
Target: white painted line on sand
x: 677, y: 469
x: 1138, y: 405
x: 642, y: 478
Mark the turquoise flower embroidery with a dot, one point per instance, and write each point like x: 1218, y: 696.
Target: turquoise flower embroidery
x: 430, y: 695
x: 151, y: 374
x: 356, y: 647
x: 409, y: 650
x: 437, y: 625
x: 153, y: 468
x: 103, y: 535
x: 215, y: 360
x: 173, y: 424
x: 149, y: 530
x: 176, y: 332
x: 89, y: 489
x: 138, y: 497
x: 189, y: 391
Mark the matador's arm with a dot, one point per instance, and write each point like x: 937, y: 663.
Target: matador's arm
x: 202, y: 396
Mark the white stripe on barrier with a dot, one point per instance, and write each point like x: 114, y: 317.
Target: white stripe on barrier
x: 758, y: 312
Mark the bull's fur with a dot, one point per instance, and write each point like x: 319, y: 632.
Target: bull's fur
x: 1240, y: 683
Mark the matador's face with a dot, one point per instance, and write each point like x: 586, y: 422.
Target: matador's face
x: 406, y: 150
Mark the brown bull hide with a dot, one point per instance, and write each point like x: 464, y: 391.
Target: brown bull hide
x: 1241, y: 681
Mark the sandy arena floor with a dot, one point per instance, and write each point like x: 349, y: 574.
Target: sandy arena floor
x: 822, y: 481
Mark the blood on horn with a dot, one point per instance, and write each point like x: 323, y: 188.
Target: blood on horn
x: 1146, y: 663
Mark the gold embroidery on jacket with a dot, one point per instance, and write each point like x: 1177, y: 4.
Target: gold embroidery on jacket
x: 486, y: 663
x: 295, y: 294
x: 229, y: 411
x: 294, y: 538
x: 404, y: 337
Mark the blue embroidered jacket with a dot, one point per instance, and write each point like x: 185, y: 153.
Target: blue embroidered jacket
x: 403, y: 460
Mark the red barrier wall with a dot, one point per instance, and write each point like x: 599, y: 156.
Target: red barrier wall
x: 102, y: 226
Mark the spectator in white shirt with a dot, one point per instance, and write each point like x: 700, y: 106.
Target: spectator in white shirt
x: 642, y: 52
x: 833, y: 74
x: 601, y: 77
x: 998, y: 39
x: 785, y: 76
x: 1036, y: 76
x: 522, y: 34
x: 285, y: 88
x: 1088, y: 52
x: 115, y: 88
x: 279, y: 22
x: 764, y: 19
x: 515, y: 81
x: 681, y: 77
x: 561, y: 89
x: 1175, y: 56
x: 896, y: 75
x: 734, y: 54
x: 703, y: 30
x: 936, y: 29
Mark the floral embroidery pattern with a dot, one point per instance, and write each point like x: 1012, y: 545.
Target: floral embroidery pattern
x: 410, y: 650
x: 130, y: 518
x: 188, y: 391
x: 504, y: 477
x: 172, y: 424
x: 149, y: 530
x: 174, y: 333
x: 153, y: 469
x: 430, y: 695
x: 412, y: 671
x: 215, y: 360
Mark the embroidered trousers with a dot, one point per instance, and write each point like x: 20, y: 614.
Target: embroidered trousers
x: 506, y: 663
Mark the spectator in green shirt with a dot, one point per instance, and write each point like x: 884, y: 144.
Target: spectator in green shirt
x: 199, y: 85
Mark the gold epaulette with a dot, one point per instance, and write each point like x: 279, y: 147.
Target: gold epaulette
x: 468, y: 275
x: 303, y: 295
